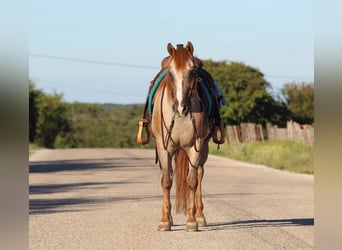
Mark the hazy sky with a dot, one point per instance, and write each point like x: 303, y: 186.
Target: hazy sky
x: 109, y: 51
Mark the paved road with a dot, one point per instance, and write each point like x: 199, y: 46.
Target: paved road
x: 111, y: 199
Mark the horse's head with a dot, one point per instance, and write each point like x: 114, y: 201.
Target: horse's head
x: 181, y: 68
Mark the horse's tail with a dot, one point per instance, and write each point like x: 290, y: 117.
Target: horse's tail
x: 181, y: 173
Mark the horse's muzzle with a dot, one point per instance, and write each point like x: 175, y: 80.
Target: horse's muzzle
x: 182, y: 110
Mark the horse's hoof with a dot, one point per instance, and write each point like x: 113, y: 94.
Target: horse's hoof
x: 191, y: 226
x: 164, y: 226
x: 201, y: 221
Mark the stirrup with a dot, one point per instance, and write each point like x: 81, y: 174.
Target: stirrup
x: 219, y: 133
x: 143, y: 123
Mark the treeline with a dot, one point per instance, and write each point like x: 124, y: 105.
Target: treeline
x: 57, y: 124
x: 249, y: 96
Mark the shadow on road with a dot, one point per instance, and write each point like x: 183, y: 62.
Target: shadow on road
x: 260, y: 223
x: 89, y: 164
x: 49, y: 206
x: 65, y: 187
x: 48, y: 203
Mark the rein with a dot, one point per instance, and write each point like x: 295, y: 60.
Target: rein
x: 168, y: 138
x: 163, y: 123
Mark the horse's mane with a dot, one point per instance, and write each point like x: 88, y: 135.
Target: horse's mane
x: 180, y: 57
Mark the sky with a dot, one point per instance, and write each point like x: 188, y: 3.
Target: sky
x: 108, y: 51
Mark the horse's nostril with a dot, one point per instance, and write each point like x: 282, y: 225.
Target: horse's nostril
x: 182, y: 109
x: 185, y: 109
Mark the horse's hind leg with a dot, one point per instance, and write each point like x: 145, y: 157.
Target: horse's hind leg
x: 200, y: 218
x: 166, y: 183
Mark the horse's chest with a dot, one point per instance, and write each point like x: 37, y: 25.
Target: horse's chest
x: 183, y: 131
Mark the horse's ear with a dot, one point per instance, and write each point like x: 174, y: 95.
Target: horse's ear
x: 190, y: 48
x: 170, y: 49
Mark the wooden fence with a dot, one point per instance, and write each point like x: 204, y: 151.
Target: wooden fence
x: 293, y: 131
x: 251, y: 132
x: 246, y: 132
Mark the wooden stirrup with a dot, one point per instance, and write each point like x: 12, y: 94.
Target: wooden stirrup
x: 143, y: 123
x: 219, y: 134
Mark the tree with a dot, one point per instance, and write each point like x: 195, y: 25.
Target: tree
x: 300, y: 101
x: 56, y: 124
x: 88, y: 127
x: 47, y: 117
x: 246, y: 93
x: 34, y: 94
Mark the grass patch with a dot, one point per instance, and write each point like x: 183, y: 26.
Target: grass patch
x: 286, y: 155
x: 33, y: 148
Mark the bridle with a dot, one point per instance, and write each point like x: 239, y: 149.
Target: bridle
x: 192, y: 92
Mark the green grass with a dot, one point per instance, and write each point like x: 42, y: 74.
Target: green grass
x: 286, y: 155
x: 33, y: 148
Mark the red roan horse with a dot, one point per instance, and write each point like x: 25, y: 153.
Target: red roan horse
x: 181, y: 129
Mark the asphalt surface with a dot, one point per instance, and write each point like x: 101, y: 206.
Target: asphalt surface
x: 111, y: 199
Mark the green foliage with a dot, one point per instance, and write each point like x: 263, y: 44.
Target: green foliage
x: 47, y: 118
x: 246, y: 93
x: 33, y: 96
x: 286, y: 155
x: 94, y: 125
x: 55, y: 124
x: 300, y: 100
x: 51, y: 119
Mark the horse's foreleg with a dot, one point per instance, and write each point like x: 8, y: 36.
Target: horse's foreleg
x: 191, y: 224
x: 199, y: 204
x: 166, y: 183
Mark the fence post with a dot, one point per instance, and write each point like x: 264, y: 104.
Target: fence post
x: 260, y: 132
